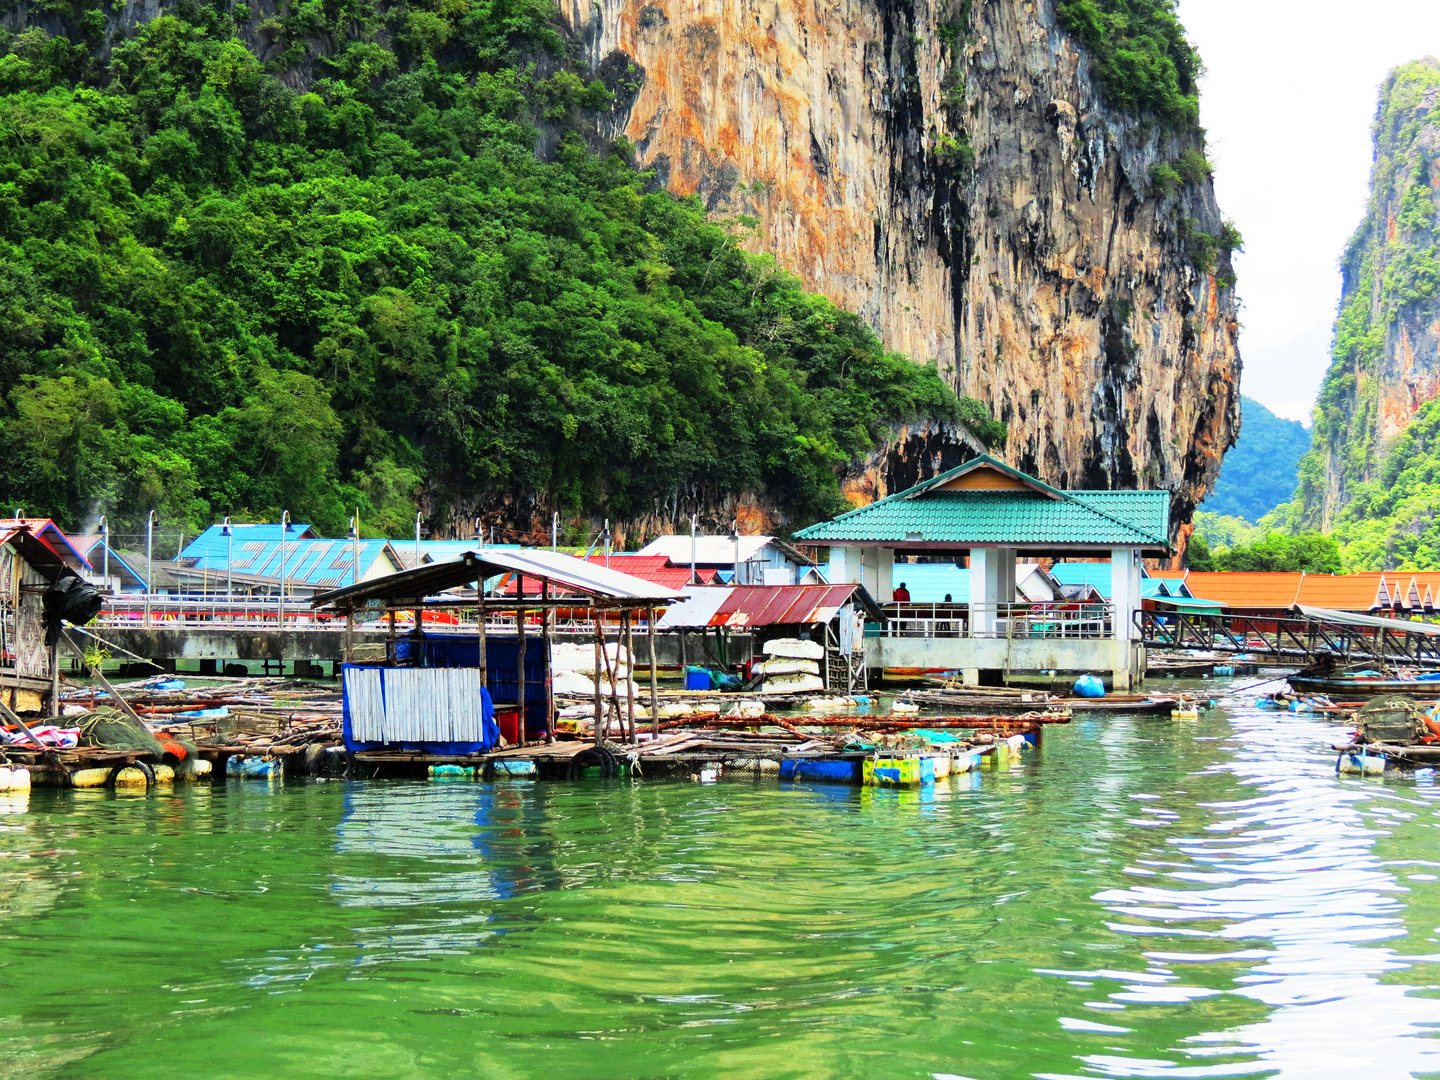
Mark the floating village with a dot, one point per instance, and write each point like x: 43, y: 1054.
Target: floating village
x: 946, y: 628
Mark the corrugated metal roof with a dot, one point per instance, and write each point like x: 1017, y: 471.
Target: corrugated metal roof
x: 303, y: 560
x: 709, y: 550
x: 655, y: 569
x: 566, y: 571
x: 1350, y: 618
x: 48, y: 533
x: 32, y: 549
x: 744, y: 606
x: 1003, y: 518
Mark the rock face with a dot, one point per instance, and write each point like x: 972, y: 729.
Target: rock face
x: 1386, y: 356
x: 961, y: 184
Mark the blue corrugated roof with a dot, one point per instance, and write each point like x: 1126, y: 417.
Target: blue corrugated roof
x: 213, y: 540
x: 323, y: 563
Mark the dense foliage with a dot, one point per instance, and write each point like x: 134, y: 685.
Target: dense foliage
x: 1263, y: 549
x: 220, y: 294
x: 1376, y: 496
x: 1259, y: 472
x: 1393, y: 520
x: 1143, y: 61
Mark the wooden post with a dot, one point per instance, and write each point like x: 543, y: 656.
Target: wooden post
x: 484, y: 656
x: 630, y: 676
x: 654, y: 678
x: 548, y: 629
x: 599, y: 654
x: 348, y: 649
x: 520, y: 654
x: 54, y: 679
x: 390, y: 641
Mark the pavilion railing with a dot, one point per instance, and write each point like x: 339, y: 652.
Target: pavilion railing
x: 1014, y: 621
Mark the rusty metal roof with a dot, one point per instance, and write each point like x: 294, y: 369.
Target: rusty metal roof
x: 744, y: 606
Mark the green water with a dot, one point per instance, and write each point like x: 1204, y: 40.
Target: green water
x: 1146, y: 899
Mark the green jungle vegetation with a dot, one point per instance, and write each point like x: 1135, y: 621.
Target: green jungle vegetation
x: 1217, y: 544
x: 221, y: 294
x: 1260, y: 471
x: 1391, y: 283
x: 1142, y: 59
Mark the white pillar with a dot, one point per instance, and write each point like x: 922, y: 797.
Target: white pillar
x: 985, y: 589
x: 839, y: 566
x: 1125, y: 591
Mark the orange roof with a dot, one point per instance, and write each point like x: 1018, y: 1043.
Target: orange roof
x: 1342, y: 592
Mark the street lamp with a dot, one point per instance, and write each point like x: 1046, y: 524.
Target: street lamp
x: 417, y: 538
x: 149, y: 562
x: 555, y: 531
x: 694, y: 521
x: 735, y: 536
x: 607, y: 543
x: 229, y: 534
x: 280, y: 607
x: 105, y: 552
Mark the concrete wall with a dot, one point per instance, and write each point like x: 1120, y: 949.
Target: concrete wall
x: 1125, y: 659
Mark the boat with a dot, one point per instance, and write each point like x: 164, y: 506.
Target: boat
x: 1363, y: 686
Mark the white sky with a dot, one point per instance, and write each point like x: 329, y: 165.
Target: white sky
x: 1288, y: 99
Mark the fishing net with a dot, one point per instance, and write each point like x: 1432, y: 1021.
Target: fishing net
x: 1391, y: 718
x: 109, y: 728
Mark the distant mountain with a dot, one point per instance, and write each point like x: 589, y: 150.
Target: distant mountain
x: 1260, y: 472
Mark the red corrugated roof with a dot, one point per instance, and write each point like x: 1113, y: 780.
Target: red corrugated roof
x: 781, y: 605
x: 48, y: 533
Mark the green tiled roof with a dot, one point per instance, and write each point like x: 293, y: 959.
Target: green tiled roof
x: 1006, y: 518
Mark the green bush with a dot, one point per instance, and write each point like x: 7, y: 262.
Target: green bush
x: 1142, y: 59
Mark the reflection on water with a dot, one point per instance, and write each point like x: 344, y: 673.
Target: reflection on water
x: 1146, y: 899
x: 1287, y: 880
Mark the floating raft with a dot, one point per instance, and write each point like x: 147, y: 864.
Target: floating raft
x: 1117, y: 704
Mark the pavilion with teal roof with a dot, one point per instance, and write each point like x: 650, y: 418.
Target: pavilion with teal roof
x: 997, y: 515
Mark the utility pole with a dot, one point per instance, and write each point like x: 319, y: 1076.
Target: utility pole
x: 105, y: 543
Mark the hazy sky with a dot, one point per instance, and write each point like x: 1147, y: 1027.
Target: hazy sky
x: 1288, y: 99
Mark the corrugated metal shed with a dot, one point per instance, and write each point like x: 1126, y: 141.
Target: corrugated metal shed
x: 564, y: 571
x: 1032, y: 517
x: 745, y: 606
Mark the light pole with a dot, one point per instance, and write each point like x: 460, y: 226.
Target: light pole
x: 229, y: 534
x: 354, y: 535
x: 417, y: 539
x: 735, y: 536
x: 280, y: 607
x: 555, y: 531
x: 694, y: 521
x: 105, y: 554
x: 607, y: 543
x: 149, y: 562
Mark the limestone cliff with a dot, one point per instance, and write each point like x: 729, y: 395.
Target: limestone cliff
x: 1386, y: 356
x: 956, y: 176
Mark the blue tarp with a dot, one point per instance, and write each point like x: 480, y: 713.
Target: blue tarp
x: 488, y: 726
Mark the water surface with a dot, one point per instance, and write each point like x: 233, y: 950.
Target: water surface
x: 1147, y: 899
